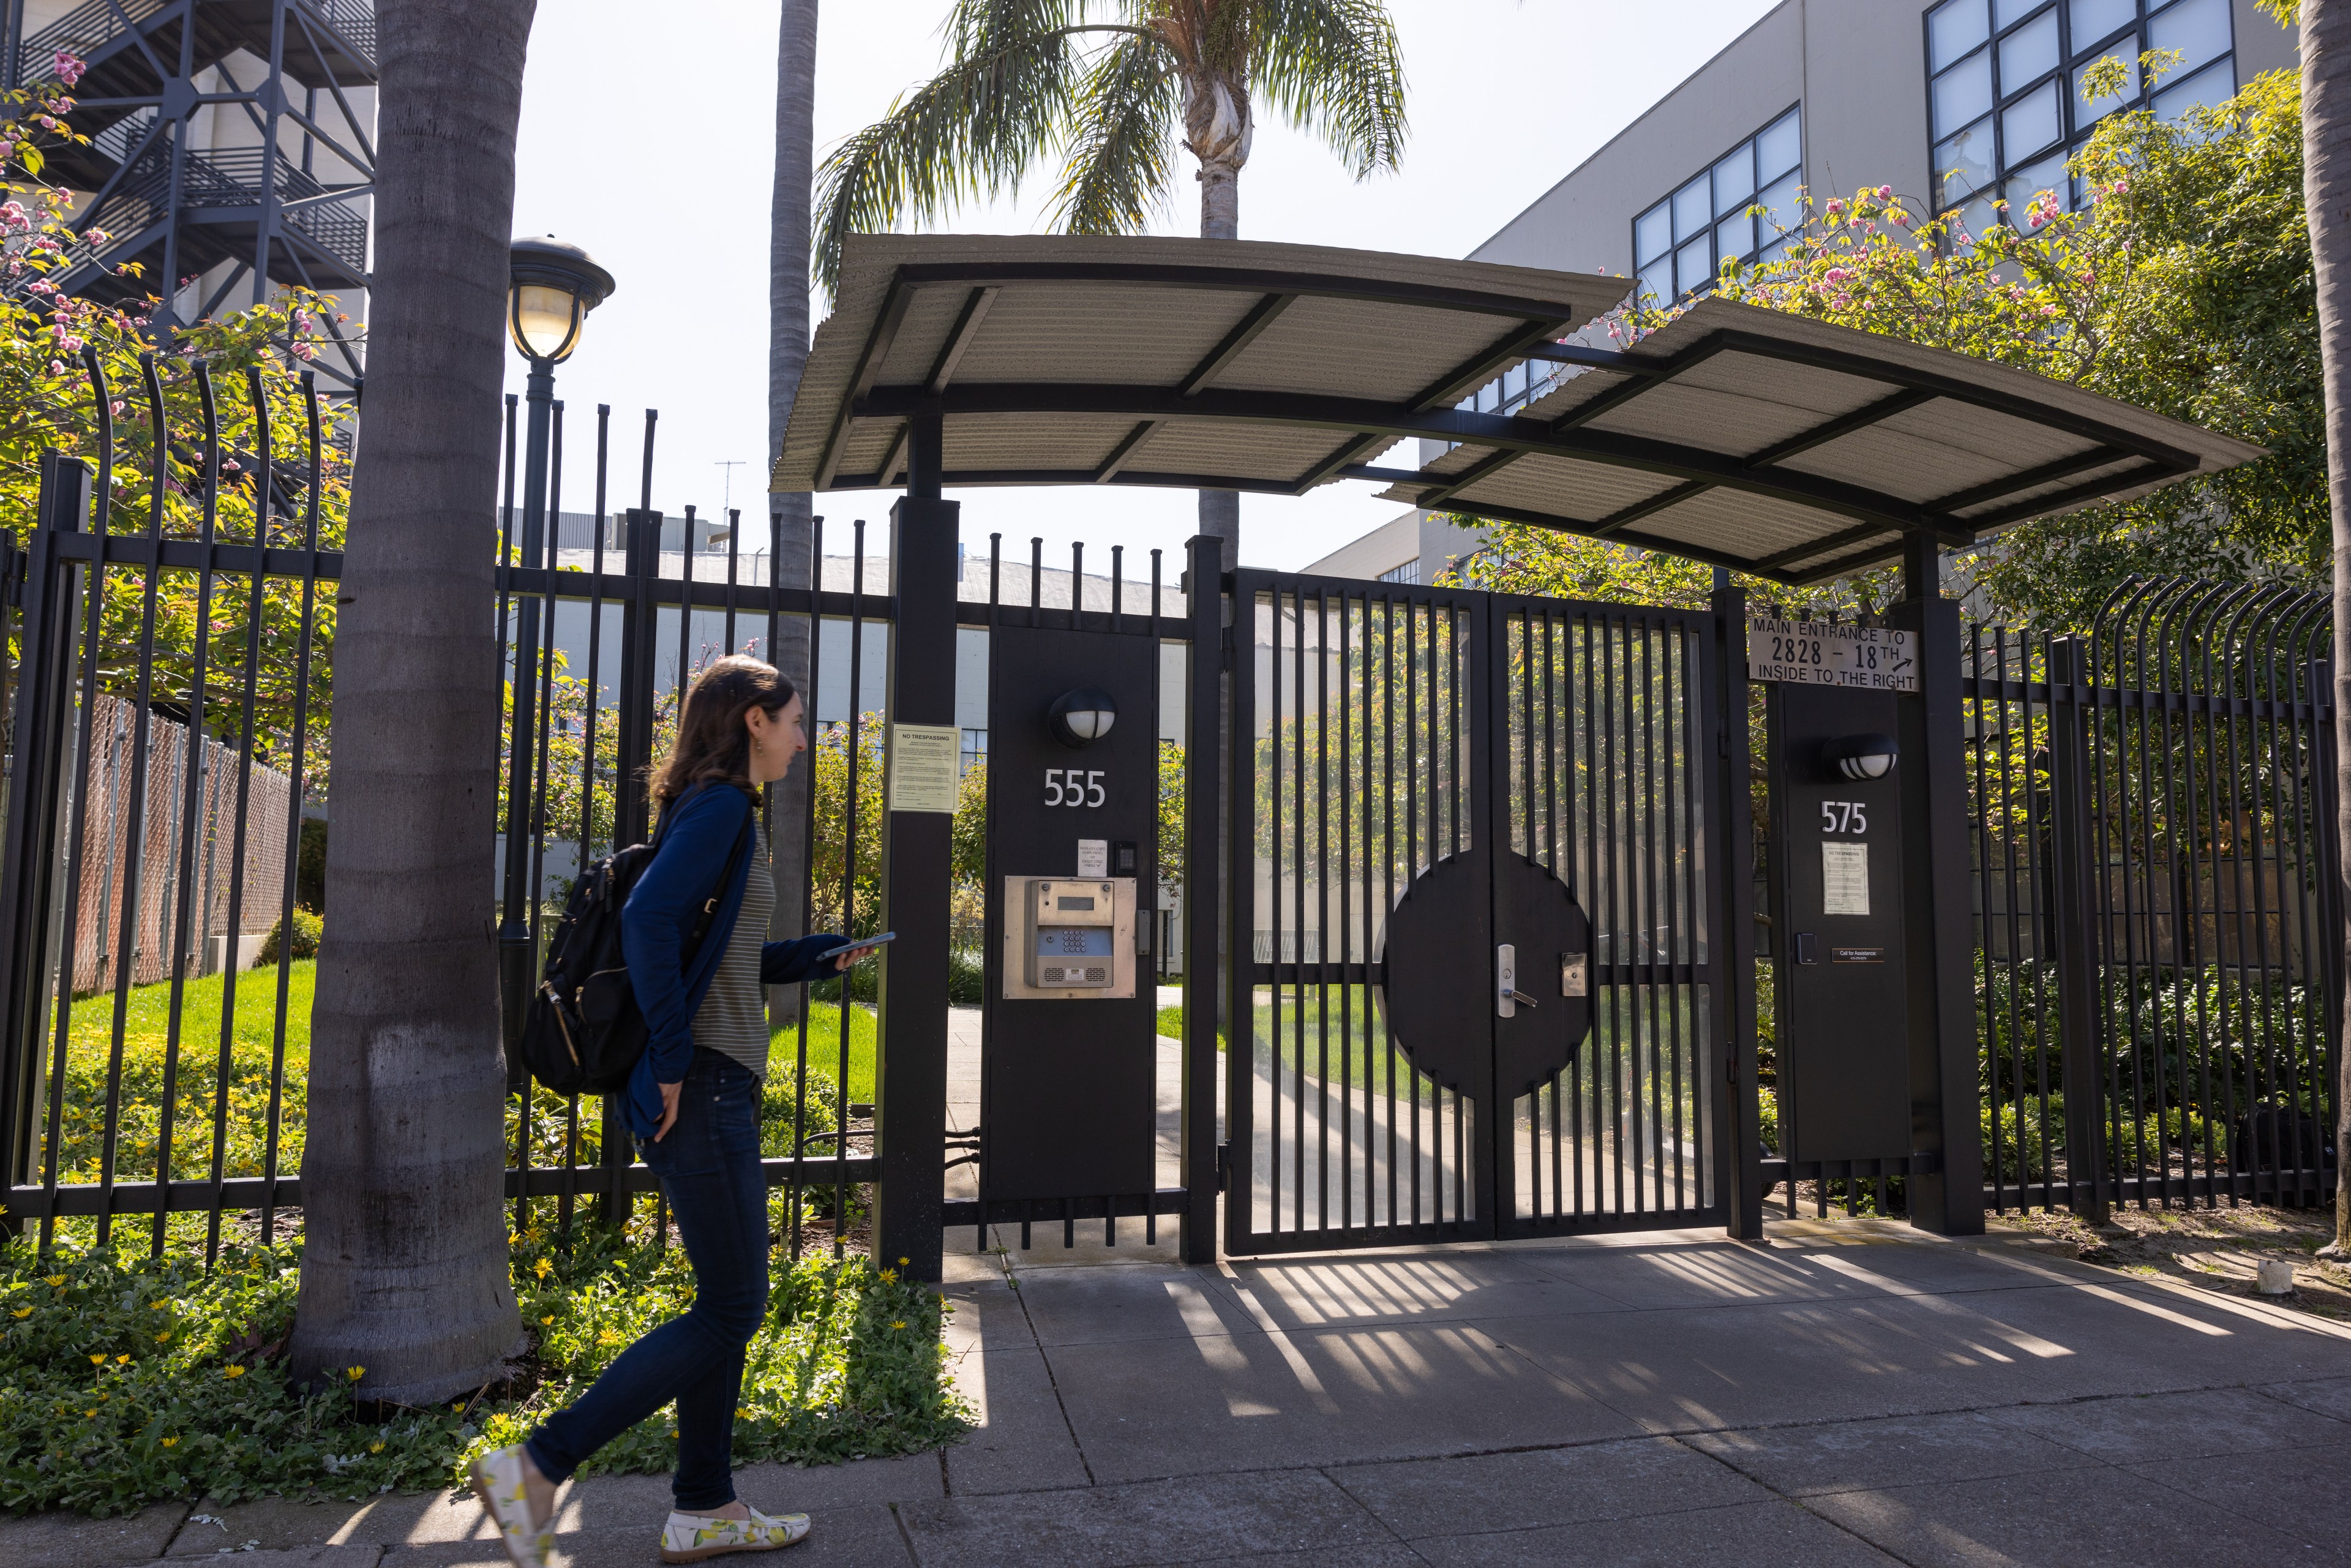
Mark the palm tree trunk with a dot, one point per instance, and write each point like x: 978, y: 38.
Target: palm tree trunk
x: 404, y: 1262
x: 2327, y: 196
x: 788, y: 349
x: 1220, y: 218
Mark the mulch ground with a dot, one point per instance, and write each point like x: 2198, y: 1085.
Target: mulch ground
x: 2215, y: 1249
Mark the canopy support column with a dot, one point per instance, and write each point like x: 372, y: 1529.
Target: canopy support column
x: 910, y: 1071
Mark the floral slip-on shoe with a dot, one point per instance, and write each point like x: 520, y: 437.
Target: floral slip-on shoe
x: 691, y: 1537
x: 498, y: 1481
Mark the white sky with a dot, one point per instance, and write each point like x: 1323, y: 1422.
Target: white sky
x: 655, y: 150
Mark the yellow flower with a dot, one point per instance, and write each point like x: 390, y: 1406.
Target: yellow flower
x: 98, y: 1361
x: 354, y: 1373
x: 608, y: 1337
x: 889, y: 1276
x: 57, y: 1280
x: 542, y: 1268
x: 902, y: 1262
x: 376, y: 1446
x: 163, y: 1338
x: 89, y: 1414
x: 123, y: 1360
x: 161, y: 1306
x: 898, y: 1324
x: 548, y: 1319
x: 232, y: 1370
x: 170, y: 1442
x: 459, y: 1407
x: 23, y: 1311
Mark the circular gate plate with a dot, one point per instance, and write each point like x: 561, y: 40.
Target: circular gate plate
x: 1440, y: 958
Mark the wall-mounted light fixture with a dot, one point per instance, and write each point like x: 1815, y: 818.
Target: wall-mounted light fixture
x: 1081, y: 716
x: 1860, y: 756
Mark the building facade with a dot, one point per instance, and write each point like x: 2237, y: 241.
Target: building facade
x: 1954, y: 103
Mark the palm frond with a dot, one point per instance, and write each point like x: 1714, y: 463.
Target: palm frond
x: 1332, y: 68
x: 1121, y: 155
x: 1000, y: 103
x: 967, y: 132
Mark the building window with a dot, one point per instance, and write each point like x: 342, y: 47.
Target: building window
x: 2004, y: 87
x: 1680, y: 245
x: 1408, y: 573
x: 975, y: 749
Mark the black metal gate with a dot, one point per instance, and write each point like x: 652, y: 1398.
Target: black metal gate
x: 1474, y: 858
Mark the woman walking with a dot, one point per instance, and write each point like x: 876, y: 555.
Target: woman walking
x: 693, y: 1105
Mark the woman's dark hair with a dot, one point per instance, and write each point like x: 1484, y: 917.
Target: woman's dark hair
x: 712, y: 742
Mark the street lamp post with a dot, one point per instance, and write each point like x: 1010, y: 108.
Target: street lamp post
x: 554, y: 286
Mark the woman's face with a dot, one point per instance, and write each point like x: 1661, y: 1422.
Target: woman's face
x: 776, y: 738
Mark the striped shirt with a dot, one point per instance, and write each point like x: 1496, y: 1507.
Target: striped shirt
x: 733, y: 1016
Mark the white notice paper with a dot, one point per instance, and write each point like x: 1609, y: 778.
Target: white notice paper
x: 1844, y: 879
x: 924, y: 767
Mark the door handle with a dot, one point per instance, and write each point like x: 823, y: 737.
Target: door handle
x: 1508, y: 997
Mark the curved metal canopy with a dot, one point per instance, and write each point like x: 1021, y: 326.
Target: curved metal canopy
x: 1746, y: 437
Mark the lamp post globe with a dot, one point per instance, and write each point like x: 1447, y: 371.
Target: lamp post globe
x: 554, y: 284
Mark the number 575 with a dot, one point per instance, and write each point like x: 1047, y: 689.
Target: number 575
x: 1843, y: 817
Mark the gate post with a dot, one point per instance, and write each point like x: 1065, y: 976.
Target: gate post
x: 2077, y: 975
x: 38, y: 763
x: 1945, y: 1186
x: 1743, y: 1161
x: 910, y: 1069
x: 632, y: 809
x: 1203, y: 897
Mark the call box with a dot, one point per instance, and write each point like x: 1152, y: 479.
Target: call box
x: 1074, y: 936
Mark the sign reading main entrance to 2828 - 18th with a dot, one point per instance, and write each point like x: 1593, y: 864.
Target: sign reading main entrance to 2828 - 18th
x: 1821, y: 654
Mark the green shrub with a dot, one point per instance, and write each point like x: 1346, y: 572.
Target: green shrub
x: 126, y: 1380
x: 308, y: 928
x: 967, y: 977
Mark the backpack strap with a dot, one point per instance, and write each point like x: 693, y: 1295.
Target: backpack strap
x: 726, y: 879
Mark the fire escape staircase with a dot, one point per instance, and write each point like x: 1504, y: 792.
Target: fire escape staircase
x: 177, y: 208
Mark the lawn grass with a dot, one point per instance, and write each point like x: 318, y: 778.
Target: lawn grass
x: 824, y: 1047
x: 254, y: 1073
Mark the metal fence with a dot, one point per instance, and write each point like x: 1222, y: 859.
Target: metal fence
x: 169, y: 712
x: 2159, y: 926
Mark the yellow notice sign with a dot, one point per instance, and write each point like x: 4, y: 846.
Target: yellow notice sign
x: 923, y: 761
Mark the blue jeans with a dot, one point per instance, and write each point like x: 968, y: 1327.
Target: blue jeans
x: 709, y: 1166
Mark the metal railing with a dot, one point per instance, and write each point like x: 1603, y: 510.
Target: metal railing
x: 2158, y: 926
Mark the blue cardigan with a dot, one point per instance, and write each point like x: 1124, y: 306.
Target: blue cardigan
x: 697, y: 833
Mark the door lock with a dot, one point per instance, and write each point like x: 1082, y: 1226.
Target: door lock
x: 1508, y: 997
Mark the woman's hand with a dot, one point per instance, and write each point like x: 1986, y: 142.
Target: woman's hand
x: 670, y: 1094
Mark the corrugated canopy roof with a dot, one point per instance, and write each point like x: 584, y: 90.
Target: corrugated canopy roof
x: 1747, y: 437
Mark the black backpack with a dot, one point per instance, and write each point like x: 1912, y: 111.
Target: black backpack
x: 584, y: 1033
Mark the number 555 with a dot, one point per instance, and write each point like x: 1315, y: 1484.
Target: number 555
x: 1074, y: 787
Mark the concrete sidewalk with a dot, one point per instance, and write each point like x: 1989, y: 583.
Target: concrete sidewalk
x: 1847, y: 1394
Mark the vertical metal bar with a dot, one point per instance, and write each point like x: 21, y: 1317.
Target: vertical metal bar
x: 297, y: 778
x: 1240, y: 887
x: 796, y: 1182
x: 1321, y: 729
x: 1203, y: 778
x: 1376, y: 921
x: 2078, y: 1032
x: 853, y: 742
x: 1488, y: 785
x: 264, y: 496
x: 1416, y: 746
x: 1345, y: 924
x: 42, y: 743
